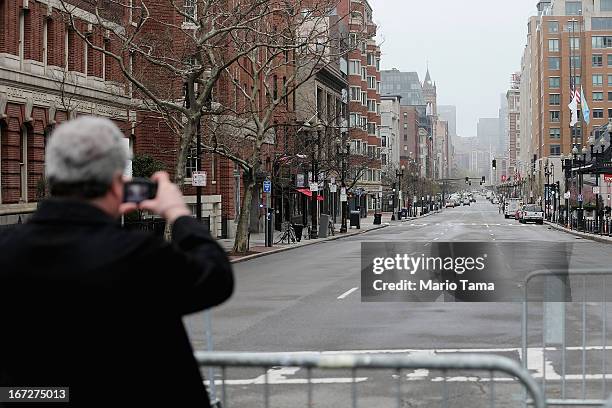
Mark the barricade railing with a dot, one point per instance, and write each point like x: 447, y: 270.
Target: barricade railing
x: 572, y: 370
x: 399, y: 366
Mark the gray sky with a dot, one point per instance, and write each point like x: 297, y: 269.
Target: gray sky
x: 472, y: 47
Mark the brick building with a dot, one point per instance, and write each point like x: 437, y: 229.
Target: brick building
x: 364, y: 103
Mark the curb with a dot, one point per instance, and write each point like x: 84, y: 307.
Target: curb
x: 584, y: 235
x: 333, y: 238
x: 318, y: 241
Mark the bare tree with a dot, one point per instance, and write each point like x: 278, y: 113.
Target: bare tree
x: 226, y: 68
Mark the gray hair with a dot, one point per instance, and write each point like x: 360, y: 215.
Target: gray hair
x: 85, y: 151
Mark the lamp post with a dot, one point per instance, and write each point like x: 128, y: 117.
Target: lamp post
x: 546, y: 191
x: 343, y: 156
x: 596, y: 157
x: 566, y: 163
x: 314, y: 233
x: 399, y: 174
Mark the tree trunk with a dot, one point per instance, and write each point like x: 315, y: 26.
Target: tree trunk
x: 179, y: 175
x: 241, y: 242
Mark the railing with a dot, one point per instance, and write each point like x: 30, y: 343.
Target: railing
x: 268, y: 365
x: 571, y: 369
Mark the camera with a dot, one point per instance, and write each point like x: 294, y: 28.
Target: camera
x: 139, y: 189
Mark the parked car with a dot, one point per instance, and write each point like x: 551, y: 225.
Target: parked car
x: 532, y: 213
x: 450, y: 203
x: 466, y: 201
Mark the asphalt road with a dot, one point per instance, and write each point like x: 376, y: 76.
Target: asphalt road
x: 308, y: 299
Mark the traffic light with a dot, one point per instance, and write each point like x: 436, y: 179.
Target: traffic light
x: 467, y: 180
x: 494, y: 163
x: 470, y: 183
x: 483, y: 180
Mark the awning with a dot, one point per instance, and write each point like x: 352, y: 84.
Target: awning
x: 308, y: 193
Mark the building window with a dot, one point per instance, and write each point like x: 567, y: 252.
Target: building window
x: 371, y: 60
x: 598, y: 113
x: 364, y: 74
x: 353, y: 120
x: 576, y: 80
x: 23, y: 165
x: 610, y: 113
x: 553, y: 45
x: 554, y: 82
x: 576, y: 131
x: 598, y: 96
x: 553, y: 26
x: 597, y: 60
x: 371, y: 82
x: 555, y: 133
x: 355, y: 94
x: 189, y: 8
x: 555, y: 116
x: 573, y: 8
x: 555, y: 150
x: 601, y: 23
x: 191, y: 164
x: 575, y: 61
x: 555, y: 99
x: 554, y: 63
x: 609, y: 80
x: 364, y: 98
x: 575, y: 43
x: 383, y: 141
x: 383, y: 159
x: 605, y: 5
x: 354, y: 67
x: 371, y: 128
x: 601, y: 41
x: 597, y: 80
x: 609, y: 96
x: 371, y: 105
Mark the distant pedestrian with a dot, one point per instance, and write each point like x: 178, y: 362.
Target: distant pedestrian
x: 88, y: 305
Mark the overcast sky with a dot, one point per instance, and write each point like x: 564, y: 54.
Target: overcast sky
x: 472, y: 47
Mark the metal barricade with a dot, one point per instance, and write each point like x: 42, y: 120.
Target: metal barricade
x: 588, y: 347
x: 398, y: 365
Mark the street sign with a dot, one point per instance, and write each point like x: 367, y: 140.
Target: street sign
x: 580, y: 197
x: 332, y: 180
x: 343, y: 190
x: 567, y: 195
x: 198, y: 178
x: 267, y: 186
x: 299, y: 180
x: 314, y: 186
x: 343, y: 198
x: 595, y: 190
x: 608, y: 178
x: 125, y: 144
x: 333, y: 188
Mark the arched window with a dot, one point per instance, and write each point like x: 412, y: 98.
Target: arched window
x: 23, y: 165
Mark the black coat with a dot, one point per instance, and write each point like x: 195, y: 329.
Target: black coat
x: 89, y: 305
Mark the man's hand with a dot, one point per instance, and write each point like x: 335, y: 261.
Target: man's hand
x: 168, y: 203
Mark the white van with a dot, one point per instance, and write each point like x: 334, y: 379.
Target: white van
x: 511, y: 207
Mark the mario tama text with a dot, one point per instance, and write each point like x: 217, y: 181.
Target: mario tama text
x: 452, y: 271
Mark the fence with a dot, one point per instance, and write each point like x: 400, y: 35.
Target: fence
x: 565, y: 304
x: 397, y: 364
x: 603, y: 226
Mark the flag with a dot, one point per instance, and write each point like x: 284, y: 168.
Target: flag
x: 586, y: 112
x: 574, y: 107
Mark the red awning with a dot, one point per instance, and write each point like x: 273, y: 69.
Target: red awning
x: 308, y: 193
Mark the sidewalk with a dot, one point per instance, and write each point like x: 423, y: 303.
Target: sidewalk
x: 593, y: 237
x: 258, y: 248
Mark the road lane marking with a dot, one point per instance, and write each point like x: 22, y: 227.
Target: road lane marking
x: 348, y: 292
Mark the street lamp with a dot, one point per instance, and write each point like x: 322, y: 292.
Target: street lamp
x: 399, y: 175
x: 343, y: 156
x: 596, y: 157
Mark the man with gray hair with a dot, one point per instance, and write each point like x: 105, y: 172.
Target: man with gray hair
x: 90, y: 306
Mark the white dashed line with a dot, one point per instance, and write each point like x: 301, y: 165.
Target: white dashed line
x: 348, y: 292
